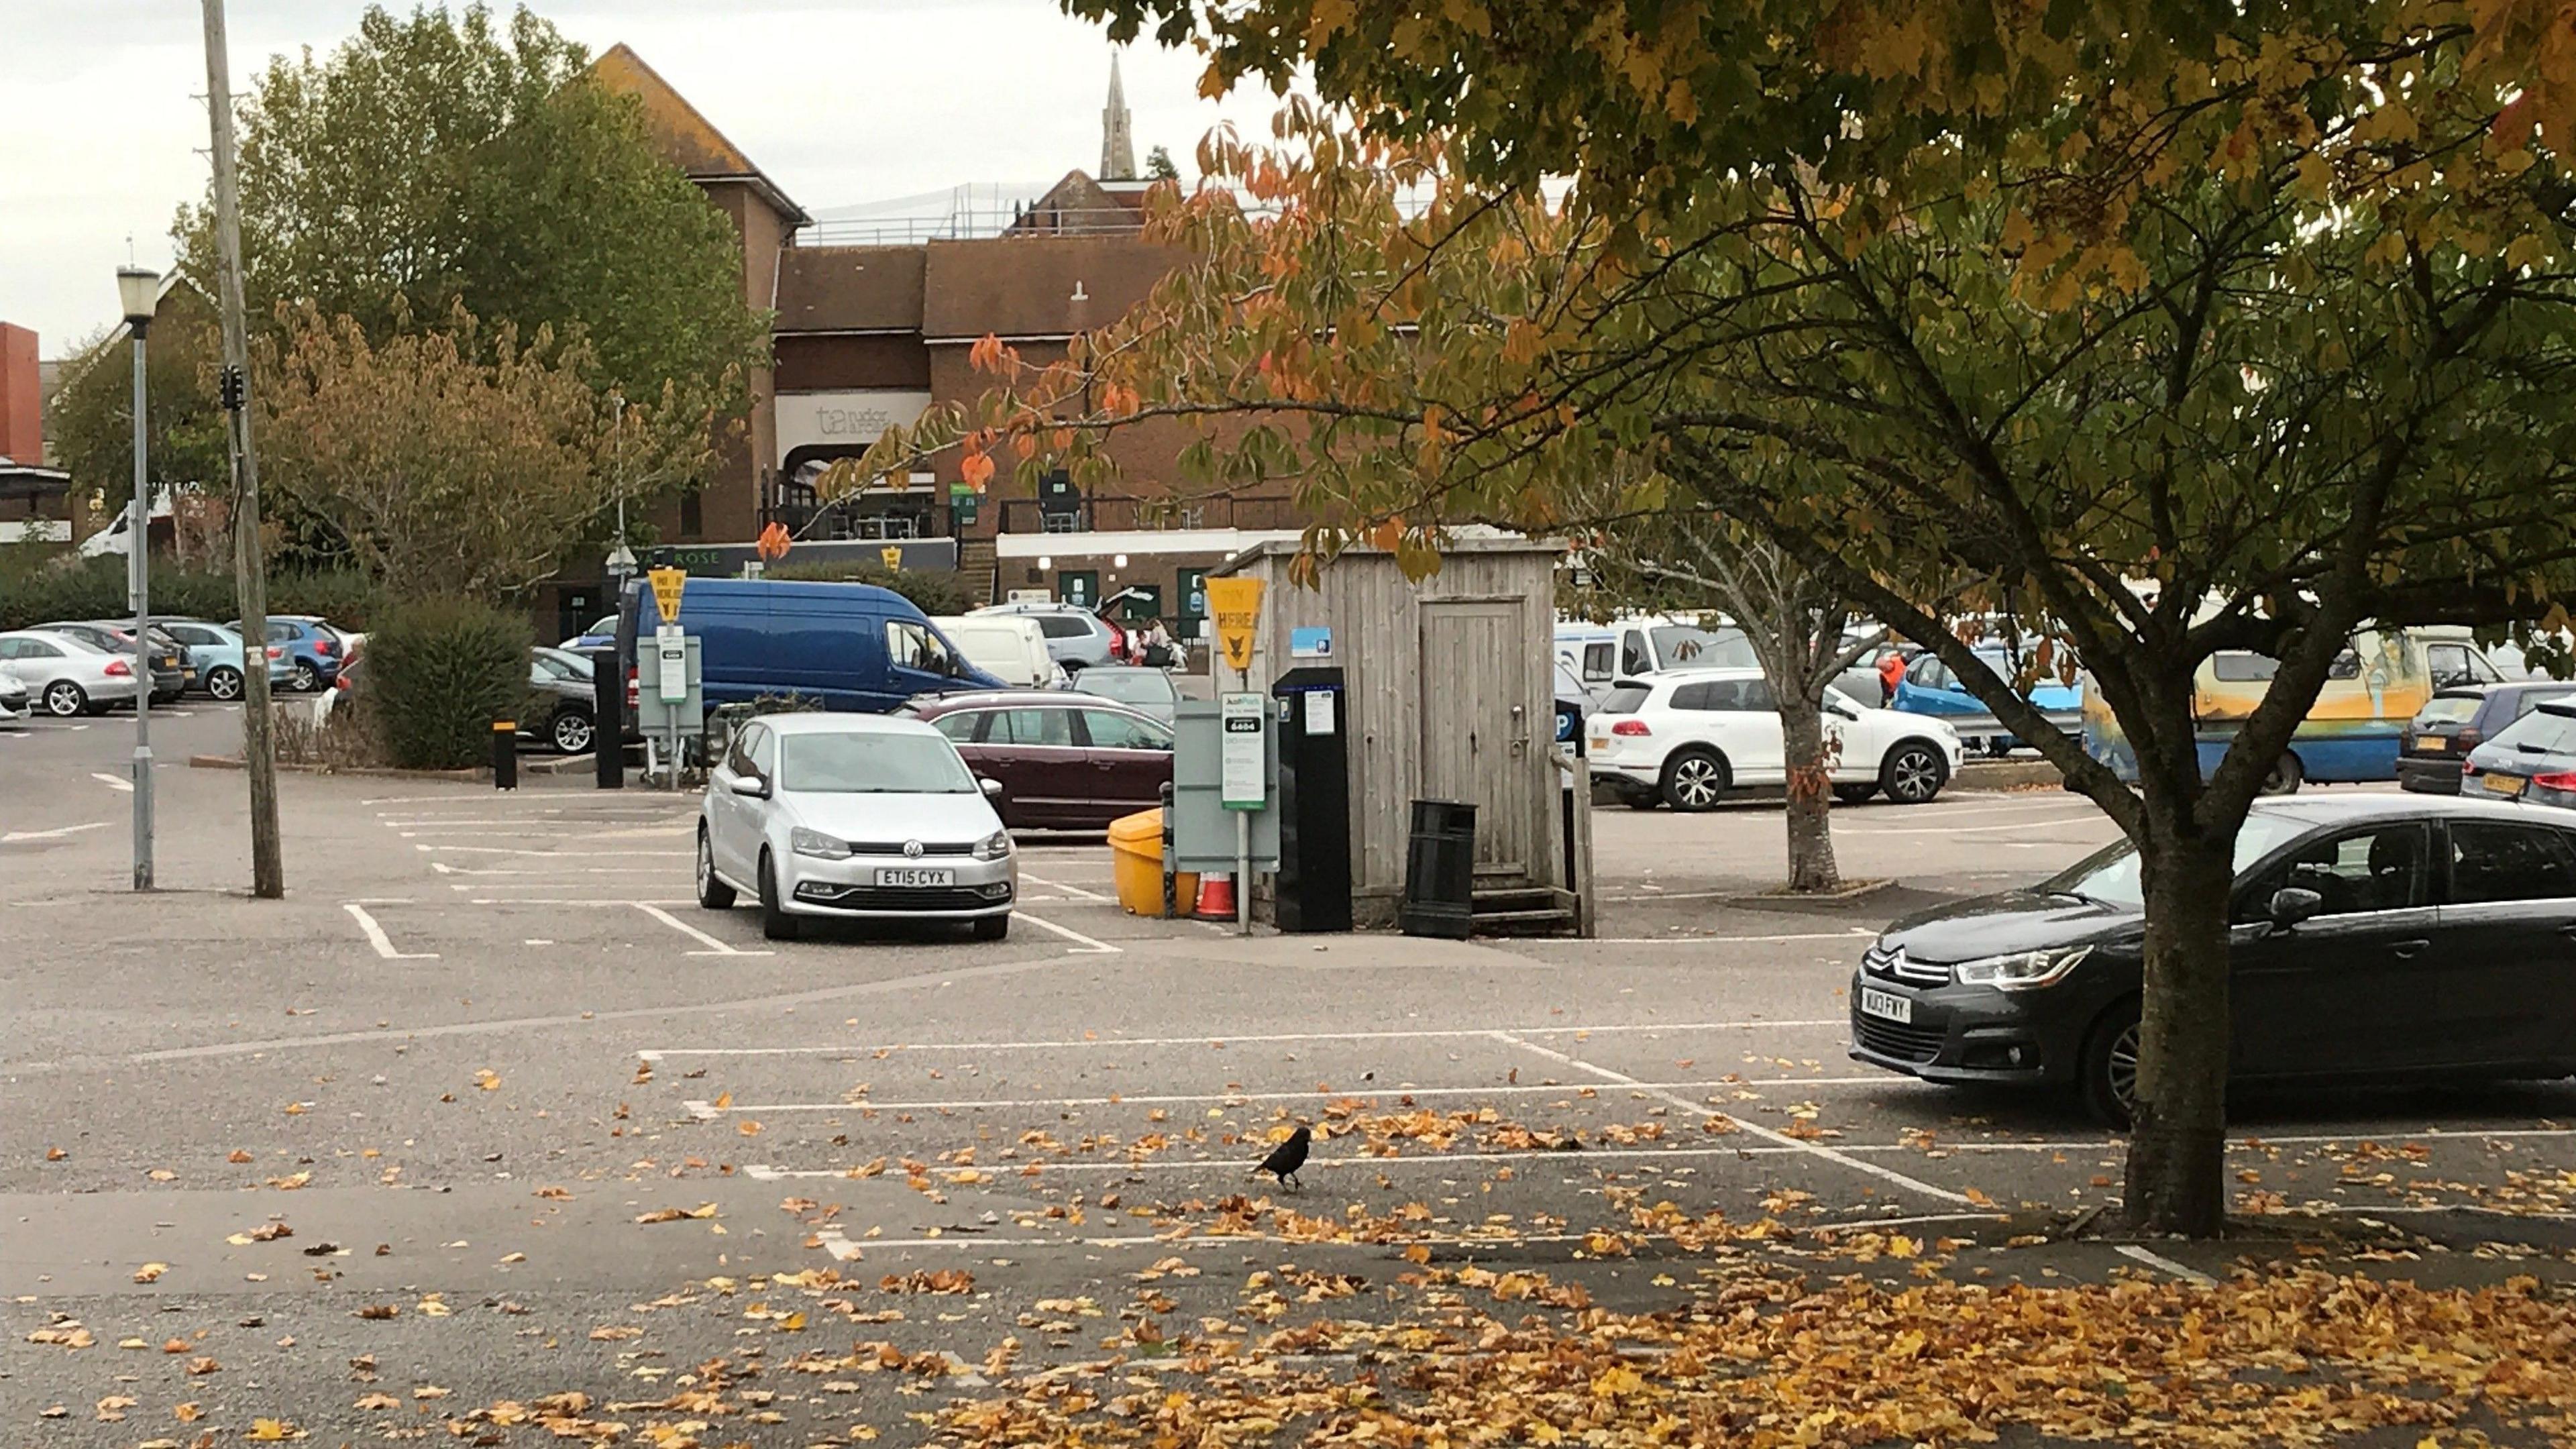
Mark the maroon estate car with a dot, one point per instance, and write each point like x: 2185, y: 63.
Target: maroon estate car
x: 1064, y: 761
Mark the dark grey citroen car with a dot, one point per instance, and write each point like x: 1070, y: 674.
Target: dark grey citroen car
x: 2386, y: 936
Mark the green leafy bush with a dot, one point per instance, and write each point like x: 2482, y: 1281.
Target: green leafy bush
x: 436, y: 673
x: 932, y: 591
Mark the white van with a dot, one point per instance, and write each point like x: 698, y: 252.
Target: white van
x: 1009, y: 646
x: 1597, y: 654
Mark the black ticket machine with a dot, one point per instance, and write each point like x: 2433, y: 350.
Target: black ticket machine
x: 1313, y: 886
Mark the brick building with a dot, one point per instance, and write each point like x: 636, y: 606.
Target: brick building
x: 873, y: 325
x: 34, y: 498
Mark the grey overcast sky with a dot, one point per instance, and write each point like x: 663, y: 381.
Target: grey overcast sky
x: 840, y: 101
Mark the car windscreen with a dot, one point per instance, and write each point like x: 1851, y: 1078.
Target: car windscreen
x: 1681, y: 646
x: 1626, y: 699
x: 1130, y: 686
x: 872, y: 764
x: 2110, y: 875
x: 2541, y: 732
x: 2450, y: 709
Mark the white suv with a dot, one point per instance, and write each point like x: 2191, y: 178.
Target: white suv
x: 1686, y: 737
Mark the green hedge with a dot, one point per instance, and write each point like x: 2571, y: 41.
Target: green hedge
x: 437, y: 673
x: 932, y: 591
x: 94, y: 588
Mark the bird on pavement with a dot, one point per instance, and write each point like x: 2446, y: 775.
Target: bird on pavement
x: 1287, y: 1157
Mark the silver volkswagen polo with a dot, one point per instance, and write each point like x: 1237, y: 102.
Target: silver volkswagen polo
x: 859, y: 816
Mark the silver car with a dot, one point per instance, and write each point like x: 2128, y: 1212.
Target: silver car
x: 862, y: 816
x: 1077, y: 637
x: 66, y: 675
x: 15, y: 703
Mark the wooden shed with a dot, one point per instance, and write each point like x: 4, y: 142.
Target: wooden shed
x: 1450, y: 695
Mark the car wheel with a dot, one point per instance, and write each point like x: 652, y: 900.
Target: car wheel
x: 225, y: 684
x: 1694, y: 779
x: 992, y: 928
x: 2110, y: 1070
x: 572, y: 731
x: 1913, y: 773
x: 2286, y: 777
x: 304, y: 680
x: 1855, y: 794
x: 713, y: 893
x: 775, y: 923
x: 63, y: 699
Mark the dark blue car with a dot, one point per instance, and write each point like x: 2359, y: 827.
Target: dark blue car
x: 315, y: 651
x: 1930, y: 687
x: 850, y: 647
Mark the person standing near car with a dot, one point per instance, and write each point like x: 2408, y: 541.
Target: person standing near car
x: 1891, y: 670
x: 1155, y: 645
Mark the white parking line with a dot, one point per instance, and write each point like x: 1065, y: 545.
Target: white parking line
x: 1069, y: 889
x: 376, y: 937
x: 577, y: 901
x: 1219, y: 1039
x: 2163, y: 1264
x: 1854, y: 934
x: 1765, y: 1133
x: 1450, y: 1161
x: 443, y: 868
x: 2096, y: 819
x: 112, y: 782
x: 1083, y: 945
x: 57, y: 833
x: 1557, y: 1089
x: 714, y: 946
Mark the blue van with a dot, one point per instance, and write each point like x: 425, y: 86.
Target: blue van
x: 855, y: 647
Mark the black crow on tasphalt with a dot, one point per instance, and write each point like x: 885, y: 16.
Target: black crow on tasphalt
x: 1287, y: 1157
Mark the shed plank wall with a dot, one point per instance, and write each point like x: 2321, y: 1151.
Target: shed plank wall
x: 1375, y: 616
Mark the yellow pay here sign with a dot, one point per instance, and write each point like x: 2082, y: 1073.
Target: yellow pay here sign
x: 667, y: 585
x: 1236, y: 606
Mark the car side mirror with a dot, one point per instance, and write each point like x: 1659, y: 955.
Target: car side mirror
x: 2292, y: 905
x: 751, y: 785
x: 992, y: 788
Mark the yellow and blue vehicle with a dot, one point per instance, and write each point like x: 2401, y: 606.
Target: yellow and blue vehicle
x: 2349, y: 735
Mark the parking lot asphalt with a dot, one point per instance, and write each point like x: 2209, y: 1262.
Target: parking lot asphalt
x: 506, y: 1086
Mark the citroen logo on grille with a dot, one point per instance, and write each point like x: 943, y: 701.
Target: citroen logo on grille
x: 912, y: 850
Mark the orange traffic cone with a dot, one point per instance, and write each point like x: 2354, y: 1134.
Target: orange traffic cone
x: 1216, y: 898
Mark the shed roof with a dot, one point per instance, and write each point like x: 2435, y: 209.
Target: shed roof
x: 1484, y: 540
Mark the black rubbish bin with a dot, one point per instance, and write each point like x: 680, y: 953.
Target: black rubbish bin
x: 1440, y: 870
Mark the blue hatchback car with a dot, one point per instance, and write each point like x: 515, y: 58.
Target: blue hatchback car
x: 220, y: 659
x: 1930, y: 687
x: 315, y: 652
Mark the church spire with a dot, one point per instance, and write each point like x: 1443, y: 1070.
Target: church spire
x: 1117, y: 139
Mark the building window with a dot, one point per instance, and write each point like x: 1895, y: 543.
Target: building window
x: 692, y: 519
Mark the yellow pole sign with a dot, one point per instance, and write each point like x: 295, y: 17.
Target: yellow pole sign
x: 893, y: 556
x: 667, y: 584
x: 1236, y: 605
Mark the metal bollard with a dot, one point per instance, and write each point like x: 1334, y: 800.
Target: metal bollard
x: 505, y: 754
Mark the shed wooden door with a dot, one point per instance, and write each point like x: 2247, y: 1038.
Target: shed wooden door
x: 1476, y: 740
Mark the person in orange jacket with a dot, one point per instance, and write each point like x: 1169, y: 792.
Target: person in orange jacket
x: 1891, y: 668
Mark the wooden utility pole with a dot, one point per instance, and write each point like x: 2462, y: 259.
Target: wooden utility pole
x: 250, y: 567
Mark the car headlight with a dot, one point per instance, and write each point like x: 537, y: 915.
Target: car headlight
x: 815, y: 843
x: 2022, y: 970
x: 996, y: 846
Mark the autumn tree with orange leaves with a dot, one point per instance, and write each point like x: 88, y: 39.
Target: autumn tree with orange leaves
x: 2165, y: 343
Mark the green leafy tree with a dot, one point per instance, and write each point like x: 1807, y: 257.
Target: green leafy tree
x: 454, y: 460
x: 92, y: 421
x: 449, y: 159
x: 2242, y: 362
x: 1159, y: 167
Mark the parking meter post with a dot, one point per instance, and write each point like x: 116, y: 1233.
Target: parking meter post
x: 1171, y: 882
x: 505, y: 754
x: 608, y: 718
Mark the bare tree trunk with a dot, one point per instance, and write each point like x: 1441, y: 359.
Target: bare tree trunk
x: 2177, y: 1151
x: 1811, y: 794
